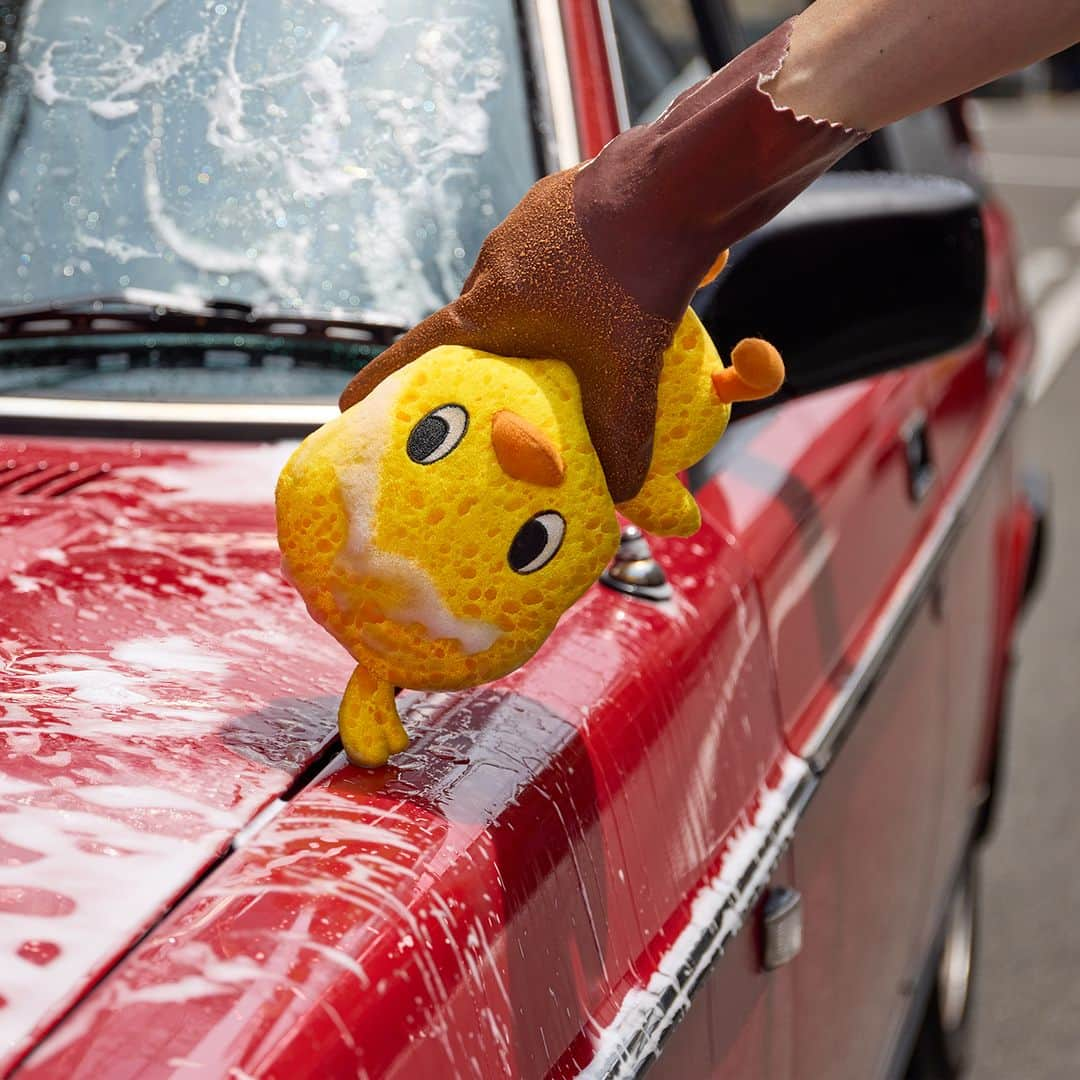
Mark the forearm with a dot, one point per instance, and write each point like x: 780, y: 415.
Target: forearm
x: 597, y: 264
x: 866, y: 63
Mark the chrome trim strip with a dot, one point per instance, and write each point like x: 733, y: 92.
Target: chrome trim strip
x: 907, y: 594
x: 634, y: 1039
x: 560, y: 93
x: 180, y: 412
x: 611, y: 47
x: 543, y: 122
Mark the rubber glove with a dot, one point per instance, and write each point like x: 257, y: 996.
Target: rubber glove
x: 596, y: 265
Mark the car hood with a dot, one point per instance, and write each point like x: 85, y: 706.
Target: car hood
x: 151, y: 702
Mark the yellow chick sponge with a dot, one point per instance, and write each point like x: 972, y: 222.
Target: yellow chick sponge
x: 440, y: 527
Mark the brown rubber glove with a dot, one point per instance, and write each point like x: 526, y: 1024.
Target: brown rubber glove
x: 596, y: 265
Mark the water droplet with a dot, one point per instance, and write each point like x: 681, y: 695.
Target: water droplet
x: 39, y: 952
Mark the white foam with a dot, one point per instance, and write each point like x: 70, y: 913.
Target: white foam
x: 399, y: 165
x: 281, y: 263
x: 369, y: 432
x: 118, y: 249
x: 246, y: 475
x: 22, y: 583
x: 117, y: 884
x: 97, y: 686
x: 717, y: 910
x: 381, y: 237
x: 318, y: 169
x: 365, y: 25
x: 113, y: 110
x: 119, y: 72
x: 226, y: 129
x: 171, y: 653
x: 43, y: 77
x: 141, y: 797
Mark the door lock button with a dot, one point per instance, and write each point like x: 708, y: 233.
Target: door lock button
x: 634, y: 571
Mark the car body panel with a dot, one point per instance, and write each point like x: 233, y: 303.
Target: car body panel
x: 151, y: 698
x: 816, y: 495
x: 862, y: 866
x: 539, y: 884
x: 494, y: 894
x: 741, y: 1023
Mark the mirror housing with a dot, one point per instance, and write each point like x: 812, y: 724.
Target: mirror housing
x: 862, y: 273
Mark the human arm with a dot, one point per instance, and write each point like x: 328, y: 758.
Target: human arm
x: 596, y: 265
x: 871, y: 62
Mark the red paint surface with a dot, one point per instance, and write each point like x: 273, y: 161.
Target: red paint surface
x: 485, y: 903
x: 816, y: 496
x: 39, y: 952
x: 151, y: 699
x: 504, y: 880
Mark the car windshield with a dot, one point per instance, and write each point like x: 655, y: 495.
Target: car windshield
x: 303, y: 155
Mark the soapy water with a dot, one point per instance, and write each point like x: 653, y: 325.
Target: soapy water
x: 302, y: 154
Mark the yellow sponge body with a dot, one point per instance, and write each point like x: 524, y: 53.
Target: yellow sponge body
x: 410, y: 538
x: 406, y: 564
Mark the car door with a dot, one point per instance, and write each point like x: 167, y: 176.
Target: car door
x: 971, y: 398
x: 816, y: 493
x: 819, y: 495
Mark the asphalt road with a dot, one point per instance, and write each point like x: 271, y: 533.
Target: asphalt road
x: 1028, y: 1008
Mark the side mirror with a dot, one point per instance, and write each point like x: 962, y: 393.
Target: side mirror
x: 862, y: 273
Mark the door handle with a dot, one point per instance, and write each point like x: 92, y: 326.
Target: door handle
x: 782, y: 927
x: 920, y: 459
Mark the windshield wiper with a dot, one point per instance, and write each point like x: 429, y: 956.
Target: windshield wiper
x: 143, y: 309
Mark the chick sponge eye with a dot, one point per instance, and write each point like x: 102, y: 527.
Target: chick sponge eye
x: 440, y: 527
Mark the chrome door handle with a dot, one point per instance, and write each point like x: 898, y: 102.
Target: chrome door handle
x: 920, y: 459
x: 782, y: 927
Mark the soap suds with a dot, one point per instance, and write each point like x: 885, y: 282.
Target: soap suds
x: 113, y: 110
x: 717, y: 911
x: 333, y: 157
x: 360, y: 493
x: 245, y: 475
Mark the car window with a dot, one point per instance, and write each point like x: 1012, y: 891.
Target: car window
x: 298, y: 154
x: 755, y: 18
x: 660, y: 51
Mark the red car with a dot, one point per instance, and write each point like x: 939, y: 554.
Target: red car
x: 725, y: 823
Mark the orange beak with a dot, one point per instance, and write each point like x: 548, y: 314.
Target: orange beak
x: 524, y: 451
x: 756, y: 371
